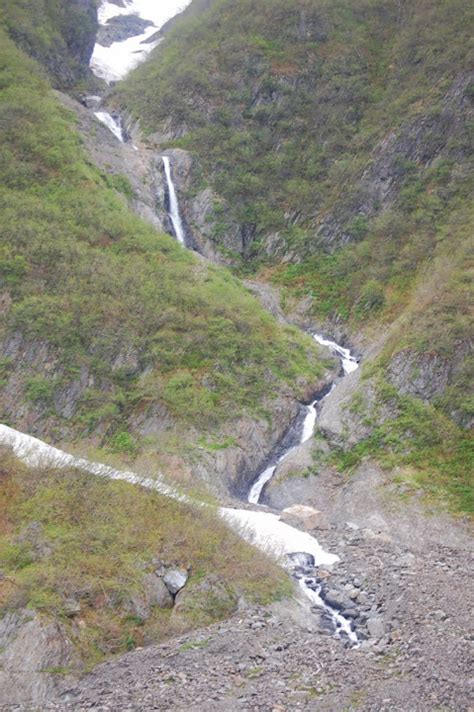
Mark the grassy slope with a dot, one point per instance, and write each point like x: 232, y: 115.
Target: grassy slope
x: 67, y: 536
x: 147, y: 321
x: 286, y: 107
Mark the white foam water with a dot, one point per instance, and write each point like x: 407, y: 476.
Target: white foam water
x: 349, y: 362
x: 302, y: 549
x: 109, y: 121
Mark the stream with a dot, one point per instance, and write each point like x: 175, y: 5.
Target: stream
x: 297, y: 551
x: 302, y: 563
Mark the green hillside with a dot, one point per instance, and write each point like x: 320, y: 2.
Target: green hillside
x: 104, y: 318
x: 337, y: 136
x: 78, y: 549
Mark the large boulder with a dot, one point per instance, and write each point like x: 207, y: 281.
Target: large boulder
x: 305, y: 518
x: 175, y: 580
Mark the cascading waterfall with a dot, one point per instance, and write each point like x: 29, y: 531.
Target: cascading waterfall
x: 173, y: 204
x: 302, y: 563
x: 111, y: 123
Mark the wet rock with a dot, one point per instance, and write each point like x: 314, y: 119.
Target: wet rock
x: 175, y: 580
x: 336, y: 599
x: 305, y: 518
x: 301, y: 558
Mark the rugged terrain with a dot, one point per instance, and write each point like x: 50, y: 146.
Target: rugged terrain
x: 322, y: 160
x: 409, y: 572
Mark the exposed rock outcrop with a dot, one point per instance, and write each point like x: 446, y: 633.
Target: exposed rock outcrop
x: 121, y: 28
x: 33, y: 651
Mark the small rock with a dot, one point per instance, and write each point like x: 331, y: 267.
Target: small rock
x: 376, y: 627
x: 71, y: 608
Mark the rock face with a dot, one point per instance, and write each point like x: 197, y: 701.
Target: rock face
x: 304, y: 517
x: 121, y: 28
x: 31, y: 650
x: 428, y: 375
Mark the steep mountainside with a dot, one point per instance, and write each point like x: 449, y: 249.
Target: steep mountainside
x: 109, y: 328
x: 319, y: 155
x: 60, y: 35
x: 113, y: 336
x: 332, y: 151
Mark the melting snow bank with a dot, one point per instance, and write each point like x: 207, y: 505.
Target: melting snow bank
x: 111, y: 123
x: 115, y: 62
x: 36, y: 453
x: 269, y: 534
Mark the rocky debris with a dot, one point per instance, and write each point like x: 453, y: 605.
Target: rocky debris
x: 303, y: 517
x: 408, y: 604
x: 283, y: 658
x: 121, y: 28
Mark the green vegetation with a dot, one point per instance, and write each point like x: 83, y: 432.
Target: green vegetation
x: 67, y: 537
x: 128, y: 317
x: 341, y: 131
x: 424, y: 446
x: 58, y: 34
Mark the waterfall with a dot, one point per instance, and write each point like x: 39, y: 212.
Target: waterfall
x: 109, y: 121
x: 173, y: 204
x: 349, y: 363
x: 301, y: 559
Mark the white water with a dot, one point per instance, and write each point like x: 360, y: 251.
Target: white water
x: 348, y: 361
x: 109, y: 121
x: 173, y: 204
x: 300, y: 547
x: 341, y: 623
x: 307, y: 431
x: 115, y: 62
